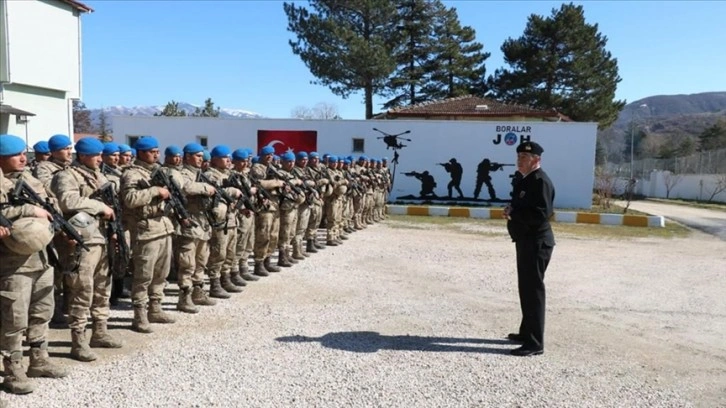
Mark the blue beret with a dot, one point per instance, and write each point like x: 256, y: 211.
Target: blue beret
x: 351, y: 158
x: 267, y: 150
x: 362, y: 158
x: 221, y: 151
x: 110, y: 148
x: 314, y: 154
x: 289, y: 156
x: 41, y: 147
x: 193, y: 148
x: 133, y: 151
x: 89, y: 145
x: 173, y: 150
x: 332, y: 158
x: 241, y: 154
x: 124, y: 148
x: 301, y: 155
x: 326, y: 155
x: 206, y: 156
x: 385, y: 159
x: 341, y: 159
x: 145, y: 143
x: 256, y: 159
x: 347, y: 161
x: 249, y: 151
x: 11, y: 145
x: 275, y: 157
x: 59, y: 142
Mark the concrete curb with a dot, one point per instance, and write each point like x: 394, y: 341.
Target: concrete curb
x: 656, y: 221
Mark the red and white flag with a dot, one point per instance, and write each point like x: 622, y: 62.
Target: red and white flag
x: 288, y: 140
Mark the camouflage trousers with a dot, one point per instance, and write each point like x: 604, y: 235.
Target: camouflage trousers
x: 222, y: 251
x: 245, y: 241
x: 267, y: 230
x: 90, y: 288
x: 316, y: 216
x: 333, y: 217
x: 357, y: 210
x: 303, y: 219
x: 152, y: 261
x: 191, y: 261
x: 288, y: 224
x: 26, y: 303
x: 368, y: 208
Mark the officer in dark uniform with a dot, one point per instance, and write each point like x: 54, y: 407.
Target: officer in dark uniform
x: 528, y: 224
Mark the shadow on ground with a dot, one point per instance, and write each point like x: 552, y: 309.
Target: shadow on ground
x: 371, y: 342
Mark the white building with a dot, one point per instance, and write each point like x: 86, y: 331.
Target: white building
x: 40, y: 66
x: 569, y: 156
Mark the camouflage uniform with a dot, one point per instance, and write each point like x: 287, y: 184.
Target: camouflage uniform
x: 151, y: 249
x: 322, y: 183
x: 334, y: 210
x: 245, y: 235
x: 223, y: 242
x: 267, y: 222
x: 26, y: 299
x: 45, y: 171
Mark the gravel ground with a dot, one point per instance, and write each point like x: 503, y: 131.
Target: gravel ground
x: 409, y: 315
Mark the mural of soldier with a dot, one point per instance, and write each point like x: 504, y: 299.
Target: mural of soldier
x: 427, y: 183
x: 454, y: 168
x: 483, y: 177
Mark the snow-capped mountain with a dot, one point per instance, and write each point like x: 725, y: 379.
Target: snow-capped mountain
x: 111, y: 111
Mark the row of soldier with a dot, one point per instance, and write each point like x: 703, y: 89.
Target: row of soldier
x: 74, y: 229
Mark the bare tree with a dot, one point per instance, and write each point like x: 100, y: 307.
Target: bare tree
x: 321, y: 110
x: 670, y: 180
x: 604, y: 186
x: 719, y: 186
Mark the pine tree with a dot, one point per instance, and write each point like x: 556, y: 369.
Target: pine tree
x: 713, y: 137
x: 103, y: 126
x: 346, y: 44
x: 208, y: 111
x: 81, y: 118
x: 172, y: 109
x: 457, y: 66
x: 561, y: 62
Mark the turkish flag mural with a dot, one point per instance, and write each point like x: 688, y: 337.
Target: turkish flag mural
x: 288, y: 140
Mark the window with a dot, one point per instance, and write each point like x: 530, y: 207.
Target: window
x: 132, y: 139
x: 202, y: 140
x: 358, y: 145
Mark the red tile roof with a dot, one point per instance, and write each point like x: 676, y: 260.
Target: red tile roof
x: 78, y: 6
x: 472, y: 106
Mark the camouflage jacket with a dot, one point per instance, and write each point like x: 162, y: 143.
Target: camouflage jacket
x: 195, y: 193
x: 221, y: 211
x: 143, y: 207
x: 74, y: 187
x: 45, y: 171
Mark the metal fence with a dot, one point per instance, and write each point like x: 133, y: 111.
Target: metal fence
x: 707, y: 162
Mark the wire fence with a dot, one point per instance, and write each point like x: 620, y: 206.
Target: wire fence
x: 706, y: 162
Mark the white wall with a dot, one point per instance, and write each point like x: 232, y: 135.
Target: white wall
x: 686, y: 186
x: 568, y: 159
x: 43, y: 45
x: 51, y: 116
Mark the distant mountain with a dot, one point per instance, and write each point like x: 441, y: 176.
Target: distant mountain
x: 111, y: 111
x: 670, y: 122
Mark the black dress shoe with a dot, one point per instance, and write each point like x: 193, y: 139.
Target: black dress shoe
x: 526, y: 351
x: 516, y: 337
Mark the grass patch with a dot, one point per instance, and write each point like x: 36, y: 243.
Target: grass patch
x: 496, y: 228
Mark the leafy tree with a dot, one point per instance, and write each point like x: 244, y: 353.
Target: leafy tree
x: 321, y: 110
x: 347, y: 44
x: 172, y: 109
x: 713, y: 137
x: 414, y: 51
x: 208, y: 111
x: 457, y: 66
x: 561, y: 62
x: 81, y: 118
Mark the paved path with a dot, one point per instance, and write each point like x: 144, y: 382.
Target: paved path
x: 710, y: 221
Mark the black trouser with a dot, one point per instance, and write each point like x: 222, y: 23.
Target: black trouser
x: 532, y: 260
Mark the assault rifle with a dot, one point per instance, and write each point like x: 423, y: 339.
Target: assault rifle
x: 274, y: 172
x: 118, y: 254
x: 24, y: 194
x: 108, y: 170
x: 238, y: 182
x: 219, y: 196
x: 4, y: 222
x: 176, y: 200
x: 498, y: 166
x: 354, y: 184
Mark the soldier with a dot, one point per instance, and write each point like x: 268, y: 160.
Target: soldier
x: 41, y: 152
x: 267, y: 219
x: 90, y: 285
x: 193, y: 239
x: 125, y: 156
x: 151, y: 230
x: 245, y: 219
x: 223, y: 242
x: 26, y: 277
x: 206, y: 159
x: 316, y: 172
x: 303, y: 214
x: 61, y: 153
x: 334, y: 202
x: 289, y: 202
x: 173, y: 157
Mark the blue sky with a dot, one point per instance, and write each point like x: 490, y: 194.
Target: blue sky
x: 237, y: 52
